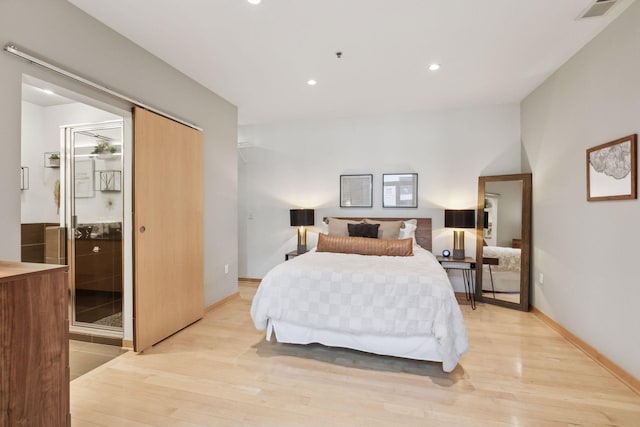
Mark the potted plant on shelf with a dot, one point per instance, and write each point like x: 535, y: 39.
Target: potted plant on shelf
x: 53, y: 160
x: 104, y: 150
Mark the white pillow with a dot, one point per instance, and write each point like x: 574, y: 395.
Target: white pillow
x: 409, y: 230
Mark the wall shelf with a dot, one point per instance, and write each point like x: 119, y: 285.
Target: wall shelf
x: 52, y: 159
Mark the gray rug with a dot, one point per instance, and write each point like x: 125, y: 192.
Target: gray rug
x: 113, y: 320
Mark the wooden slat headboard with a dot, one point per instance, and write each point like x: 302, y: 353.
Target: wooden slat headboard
x: 423, y: 232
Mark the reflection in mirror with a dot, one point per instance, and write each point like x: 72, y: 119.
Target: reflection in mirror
x: 504, y: 205
x: 95, y: 203
x: 503, y: 233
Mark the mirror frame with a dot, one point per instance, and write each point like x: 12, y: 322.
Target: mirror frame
x: 525, y: 254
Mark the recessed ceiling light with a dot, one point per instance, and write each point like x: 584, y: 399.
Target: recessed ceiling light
x: 47, y: 91
x: 311, y: 82
x: 434, y: 67
x: 254, y: 1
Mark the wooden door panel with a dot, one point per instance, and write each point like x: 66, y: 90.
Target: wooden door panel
x: 168, y: 218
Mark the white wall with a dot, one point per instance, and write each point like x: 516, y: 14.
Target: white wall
x: 588, y: 251
x: 66, y: 36
x: 298, y: 164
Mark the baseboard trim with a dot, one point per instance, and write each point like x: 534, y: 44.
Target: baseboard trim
x: 625, y: 377
x: 247, y: 279
x: 96, y: 339
x: 222, y: 302
x: 127, y: 345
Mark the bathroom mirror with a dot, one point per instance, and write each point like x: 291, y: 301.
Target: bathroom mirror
x: 503, y: 246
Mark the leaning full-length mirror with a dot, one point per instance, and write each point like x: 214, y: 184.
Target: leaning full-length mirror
x: 504, y: 244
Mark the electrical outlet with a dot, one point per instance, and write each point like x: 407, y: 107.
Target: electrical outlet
x: 226, y: 269
x: 541, y: 278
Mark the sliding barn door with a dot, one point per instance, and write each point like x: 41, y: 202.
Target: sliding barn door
x: 168, y: 218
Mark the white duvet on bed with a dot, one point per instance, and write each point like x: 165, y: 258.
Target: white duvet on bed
x: 357, y: 294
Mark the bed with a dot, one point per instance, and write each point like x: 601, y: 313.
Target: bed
x: 402, y: 306
x: 505, y: 275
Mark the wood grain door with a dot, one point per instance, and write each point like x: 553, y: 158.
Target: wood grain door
x: 168, y: 218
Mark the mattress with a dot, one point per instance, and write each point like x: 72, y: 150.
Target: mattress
x: 503, y: 281
x: 506, y: 275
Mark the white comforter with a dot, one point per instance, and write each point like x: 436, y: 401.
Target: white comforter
x: 397, y: 296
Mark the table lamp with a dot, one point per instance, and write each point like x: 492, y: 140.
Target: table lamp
x: 301, y: 218
x: 460, y: 218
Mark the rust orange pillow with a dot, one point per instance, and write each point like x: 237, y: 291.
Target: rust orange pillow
x: 364, y: 245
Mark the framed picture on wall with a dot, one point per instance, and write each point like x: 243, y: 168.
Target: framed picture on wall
x: 400, y: 190
x: 612, y: 170
x: 356, y: 191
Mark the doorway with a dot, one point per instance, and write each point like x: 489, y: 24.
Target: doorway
x: 76, y: 203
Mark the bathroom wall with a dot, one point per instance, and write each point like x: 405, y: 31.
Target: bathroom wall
x: 41, y: 134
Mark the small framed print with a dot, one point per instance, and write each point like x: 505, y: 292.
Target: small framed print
x: 400, y: 190
x: 356, y: 191
x: 612, y: 170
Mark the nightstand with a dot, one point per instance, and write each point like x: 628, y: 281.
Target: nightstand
x: 291, y: 254
x: 467, y: 266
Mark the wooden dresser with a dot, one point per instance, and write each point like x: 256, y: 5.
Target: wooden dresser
x: 34, y: 345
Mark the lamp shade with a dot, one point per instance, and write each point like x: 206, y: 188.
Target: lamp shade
x: 301, y: 217
x: 461, y: 218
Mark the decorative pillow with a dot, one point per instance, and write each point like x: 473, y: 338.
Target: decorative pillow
x: 338, y: 227
x: 364, y: 246
x: 363, y: 230
x: 389, y: 230
x: 409, y: 230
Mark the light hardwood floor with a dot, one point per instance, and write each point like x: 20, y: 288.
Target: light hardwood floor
x: 221, y: 372
x: 85, y: 356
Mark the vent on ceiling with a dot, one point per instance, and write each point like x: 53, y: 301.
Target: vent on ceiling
x: 598, y: 8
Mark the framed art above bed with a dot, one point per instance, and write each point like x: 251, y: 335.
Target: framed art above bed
x: 356, y: 191
x: 400, y: 190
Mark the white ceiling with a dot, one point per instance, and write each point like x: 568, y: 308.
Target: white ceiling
x: 260, y: 57
x: 36, y: 95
